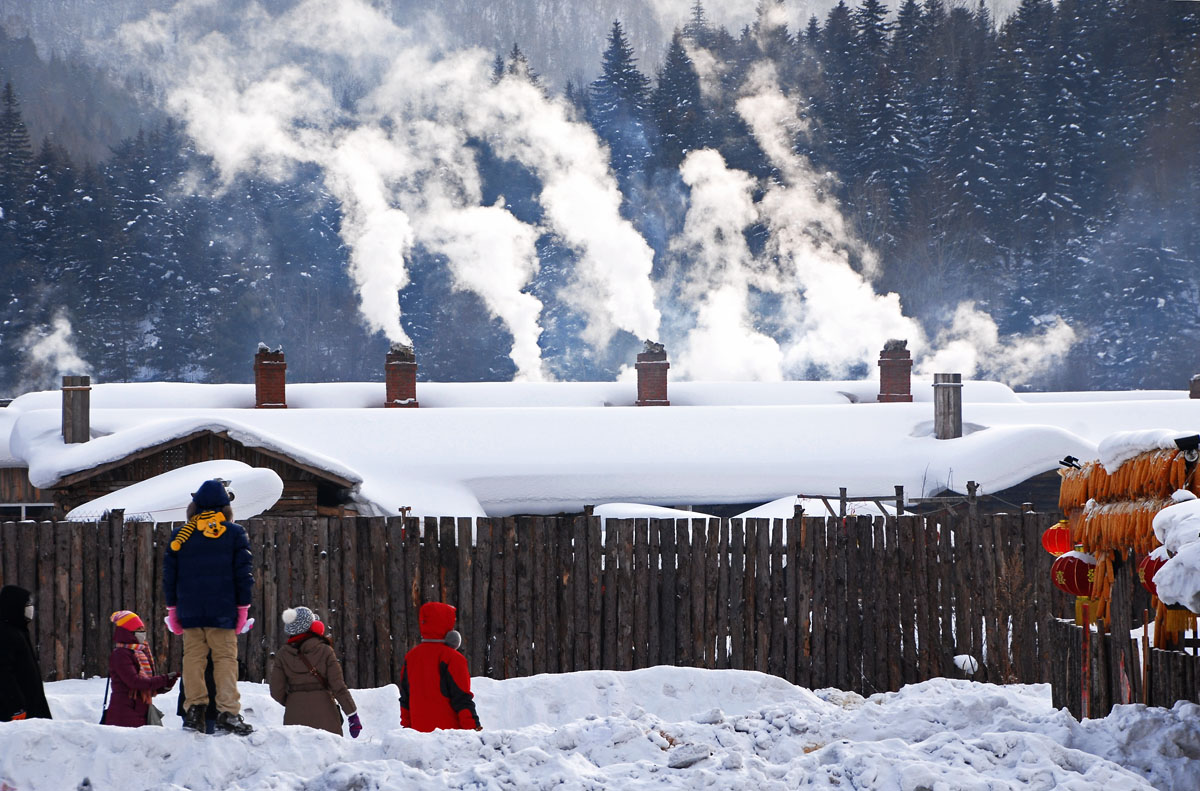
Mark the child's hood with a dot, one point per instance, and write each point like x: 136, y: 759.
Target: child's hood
x: 123, y: 635
x: 12, y: 605
x: 436, y: 619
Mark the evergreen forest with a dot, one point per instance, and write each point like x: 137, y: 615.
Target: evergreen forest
x: 1044, y: 165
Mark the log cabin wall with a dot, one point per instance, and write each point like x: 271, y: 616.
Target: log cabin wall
x: 19, y: 499
x: 1041, y: 490
x: 16, y: 488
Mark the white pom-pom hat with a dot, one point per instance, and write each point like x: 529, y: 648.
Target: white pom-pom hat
x: 298, y: 620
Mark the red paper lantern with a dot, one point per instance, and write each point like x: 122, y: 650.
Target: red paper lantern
x: 1073, y: 573
x: 1147, y: 568
x: 1057, y: 539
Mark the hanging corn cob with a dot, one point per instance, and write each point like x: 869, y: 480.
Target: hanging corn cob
x: 1111, y: 514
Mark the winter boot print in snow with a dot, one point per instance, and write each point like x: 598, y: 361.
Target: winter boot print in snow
x: 193, y: 718
x: 233, y: 723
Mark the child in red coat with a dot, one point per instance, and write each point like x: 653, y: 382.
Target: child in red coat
x: 435, y: 684
x: 131, y: 669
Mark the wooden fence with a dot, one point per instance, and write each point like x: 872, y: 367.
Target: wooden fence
x: 1115, y: 672
x: 1119, y: 669
x: 861, y: 604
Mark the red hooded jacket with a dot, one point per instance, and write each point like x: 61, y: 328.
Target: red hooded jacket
x: 435, y: 685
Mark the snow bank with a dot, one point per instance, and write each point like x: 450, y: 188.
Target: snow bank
x: 785, y: 508
x: 1177, y: 527
x: 166, y: 497
x: 640, y: 511
x: 659, y: 728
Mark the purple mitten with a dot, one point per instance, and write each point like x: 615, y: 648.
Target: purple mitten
x: 355, y: 725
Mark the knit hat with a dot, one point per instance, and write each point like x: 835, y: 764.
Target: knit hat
x: 298, y: 620
x: 127, y: 619
x: 211, y: 495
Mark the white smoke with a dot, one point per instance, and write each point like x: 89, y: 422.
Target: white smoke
x: 493, y: 254
x: 972, y: 343
x: 50, y: 353
x: 612, y: 286
x: 723, y: 345
x: 267, y: 98
x: 832, y: 319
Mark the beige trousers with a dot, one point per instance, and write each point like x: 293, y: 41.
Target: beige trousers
x: 223, y: 644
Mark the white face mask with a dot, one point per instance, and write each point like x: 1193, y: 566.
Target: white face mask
x: 29, y: 612
x: 141, y: 636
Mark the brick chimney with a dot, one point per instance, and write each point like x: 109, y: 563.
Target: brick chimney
x: 652, y: 368
x: 947, y: 406
x: 895, y: 372
x: 76, y: 409
x: 400, y: 375
x: 270, y: 378
x: 1194, y: 389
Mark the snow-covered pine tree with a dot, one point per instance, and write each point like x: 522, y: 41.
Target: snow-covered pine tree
x: 677, y: 107
x: 619, y: 107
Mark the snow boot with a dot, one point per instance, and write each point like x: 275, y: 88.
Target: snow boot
x: 233, y: 723
x: 193, y: 718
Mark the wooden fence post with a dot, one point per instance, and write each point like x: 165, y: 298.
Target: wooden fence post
x: 642, y: 574
x: 1085, y: 682
x: 484, y: 624
x: 655, y: 572
x: 736, y: 602
x: 791, y: 564
x: 1147, y: 678
x: 625, y: 603
x: 398, y: 587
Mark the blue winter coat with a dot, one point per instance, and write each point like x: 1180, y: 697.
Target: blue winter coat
x: 208, y: 572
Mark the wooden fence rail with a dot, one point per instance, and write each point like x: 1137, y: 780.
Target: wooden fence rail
x: 857, y: 603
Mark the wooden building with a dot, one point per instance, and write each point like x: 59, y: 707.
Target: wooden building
x: 307, y: 490
x: 19, y: 499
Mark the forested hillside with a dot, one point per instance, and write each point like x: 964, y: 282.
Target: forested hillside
x: 1048, y: 166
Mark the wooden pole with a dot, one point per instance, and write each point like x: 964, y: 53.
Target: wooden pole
x: 1146, y: 657
x: 1085, y: 681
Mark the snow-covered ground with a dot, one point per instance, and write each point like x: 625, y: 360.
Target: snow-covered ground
x: 661, y: 728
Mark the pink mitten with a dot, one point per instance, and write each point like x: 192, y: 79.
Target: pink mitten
x: 173, y: 621
x: 243, y: 612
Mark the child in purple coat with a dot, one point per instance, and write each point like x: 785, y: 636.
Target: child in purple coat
x: 131, y: 669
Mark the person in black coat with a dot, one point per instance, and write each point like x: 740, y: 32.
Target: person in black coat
x: 208, y: 582
x: 210, y: 711
x: 22, y: 695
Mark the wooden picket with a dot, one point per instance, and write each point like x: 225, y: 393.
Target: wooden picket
x: 858, y: 603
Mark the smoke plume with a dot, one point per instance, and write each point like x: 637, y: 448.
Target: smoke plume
x: 390, y: 122
x: 50, y: 353
x: 831, y: 318
x: 972, y: 343
x: 723, y: 345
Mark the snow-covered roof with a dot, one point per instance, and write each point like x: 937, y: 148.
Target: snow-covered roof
x: 503, y: 448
